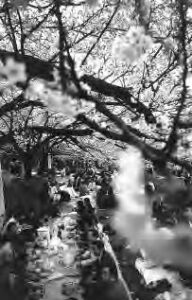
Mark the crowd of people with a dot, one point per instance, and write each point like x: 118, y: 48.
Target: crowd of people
x: 89, y: 185
x: 83, y: 179
x: 170, y: 196
x: 81, y: 182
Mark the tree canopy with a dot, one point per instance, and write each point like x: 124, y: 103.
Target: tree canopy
x: 114, y: 69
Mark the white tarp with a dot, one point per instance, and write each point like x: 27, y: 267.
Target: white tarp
x: 153, y: 273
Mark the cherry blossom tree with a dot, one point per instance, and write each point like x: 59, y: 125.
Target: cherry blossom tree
x: 119, y: 68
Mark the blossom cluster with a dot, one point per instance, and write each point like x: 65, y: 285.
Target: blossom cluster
x: 189, y: 82
x: 163, y: 122
x: 19, y: 3
x: 128, y: 190
x: 131, y: 46
x: 131, y: 217
x: 58, y: 101
x: 134, y: 221
x: 169, y: 44
x: 94, y: 3
x: 13, y: 71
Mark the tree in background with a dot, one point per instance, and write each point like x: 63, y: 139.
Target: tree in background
x: 121, y: 68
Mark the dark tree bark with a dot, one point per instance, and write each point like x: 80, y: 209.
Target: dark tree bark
x: 27, y: 168
x: 43, y: 165
x: 44, y: 69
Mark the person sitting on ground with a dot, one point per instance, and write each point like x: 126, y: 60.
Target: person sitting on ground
x: 70, y: 181
x: 70, y: 188
x: 91, y: 216
x: 77, y: 182
x: 65, y: 196
x: 92, y: 185
x: 80, y: 207
x: 90, y: 209
x: 100, y: 198
x: 53, y: 191
x: 105, y: 196
x: 83, y: 188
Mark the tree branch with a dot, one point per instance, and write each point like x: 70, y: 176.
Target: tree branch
x: 42, y: 69
x: 62, y: 131
x: 115, y: 91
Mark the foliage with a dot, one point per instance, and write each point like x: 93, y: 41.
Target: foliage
x: 120, y: 68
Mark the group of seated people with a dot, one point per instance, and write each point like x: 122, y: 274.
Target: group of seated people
x: 170, y: 197
x: 82, y: 183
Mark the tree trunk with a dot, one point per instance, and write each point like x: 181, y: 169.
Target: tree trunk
x: 43, y: 164
x: 27, y: 169
x: 2, y: 202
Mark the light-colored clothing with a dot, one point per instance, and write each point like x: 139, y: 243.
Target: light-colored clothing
x: 69, y: 190
x: 83, y: 190
x: 92, y: 186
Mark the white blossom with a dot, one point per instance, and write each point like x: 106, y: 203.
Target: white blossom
x: 134, y: 222
x: 85, y: 86
x: 129, y: 182
x: 14, y: 71
x: 93, y: 3
x: 59, y: 102
x: 131, y: 46
x: 163, y: 121
x: 189, y: 82
x: 35, y: 88
x: 85, y: 106
x: 169, y: 44
x: 19, y: 3
x: 189, y: 13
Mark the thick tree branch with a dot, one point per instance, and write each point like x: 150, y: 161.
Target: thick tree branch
x: 126, y: 136
x: 19, y: 103
x: 101, y: 34
x: 35, y: 66
x: 172, y: 140
x: 62, y: 131
x: 42, y: 69
x: 185, y: 125
x: 111, y: 90
x: 5, y: 139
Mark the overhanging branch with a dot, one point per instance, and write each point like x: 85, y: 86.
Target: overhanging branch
x: 43, y: 69
x: 62, y: 131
